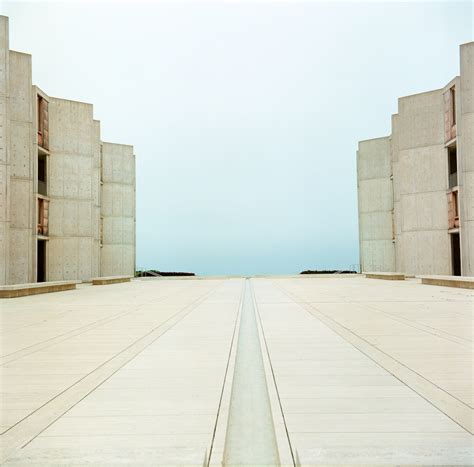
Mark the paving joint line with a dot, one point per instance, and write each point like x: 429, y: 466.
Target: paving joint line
x: 184, y: 313
x: 305, y: 304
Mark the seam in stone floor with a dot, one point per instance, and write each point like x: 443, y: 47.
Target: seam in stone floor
x: 184, y: 311
x: 304, y: 306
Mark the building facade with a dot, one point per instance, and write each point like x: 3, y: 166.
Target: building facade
x: 67, y: 199
x: 416, y: 186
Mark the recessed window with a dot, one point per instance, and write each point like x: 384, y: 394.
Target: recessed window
x: 452, y: 92
x: 42, y: 174
x: 453, y: 167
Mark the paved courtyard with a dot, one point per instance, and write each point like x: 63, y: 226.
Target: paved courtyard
x: 265, y: 371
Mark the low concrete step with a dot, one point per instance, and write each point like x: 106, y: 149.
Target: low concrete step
x: 110, y: 280
x: 388, y: 276
x: 461, y: 282
x: 34, y: 288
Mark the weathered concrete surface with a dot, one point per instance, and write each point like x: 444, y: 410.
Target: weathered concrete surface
x: 375, y: 200
x: 417, y: 154
x: 110, y: 280
x: 449, y: 281
x: 118, y: 210
x: 35, y: 288
x: 141, y: 372
x: 91, y: 226
x: 388, y: 276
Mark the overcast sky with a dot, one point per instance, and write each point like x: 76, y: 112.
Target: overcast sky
x: 245, y: 116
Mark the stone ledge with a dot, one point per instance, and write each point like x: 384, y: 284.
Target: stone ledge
x: 388, y: 276
x: 34, y: 288
x: 460, y: 282
x: 110, y: 280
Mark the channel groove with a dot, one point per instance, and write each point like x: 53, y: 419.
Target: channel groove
x: 250, y: 435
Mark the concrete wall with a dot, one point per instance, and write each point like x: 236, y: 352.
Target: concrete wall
x: 465, y: 135
x: 420, y: 184
x: 375, y: 197
x: 118, y: 210
x: 4, y: 160
x: 73, y: 251
x: 22, y: 202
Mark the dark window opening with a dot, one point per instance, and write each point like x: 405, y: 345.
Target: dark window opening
x: 453, y: 105
x: 453, y: 167
x: 41, y: 262
x: 42, y: 174
x: 456, y: 254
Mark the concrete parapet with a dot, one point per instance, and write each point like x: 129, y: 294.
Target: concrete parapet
x: 110, y: 280
x: 22, y: 290
x: 461, y: 282
x: 388, y: 276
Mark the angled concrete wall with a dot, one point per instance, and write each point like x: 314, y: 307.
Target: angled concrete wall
x: 420, y: 185
x: 465, y: 131
x: 118, y: 210
x: 375, y: 197
x: 73, y: 247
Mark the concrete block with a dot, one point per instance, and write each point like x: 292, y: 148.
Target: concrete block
x: 21, y: 200
x: 4, y: 176
x: 373, y: 159
x: 20, y: 87
x: 388, y: 276
x: 19, y: 260
x: 448, y: 281
x: 70, y: 217
x: 85, y: 258
x: 467, y: 77
x: 110, y: 280
x: 421, y: 120
x: 70, y: 258
x: 84, y: 212
x: 20, y: 145
x: 22, y: 290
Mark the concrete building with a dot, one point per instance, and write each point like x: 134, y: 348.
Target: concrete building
x: 416, y: 186
x: 67, y: 199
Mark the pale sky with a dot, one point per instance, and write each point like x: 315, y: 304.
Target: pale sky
x: 245, y: 116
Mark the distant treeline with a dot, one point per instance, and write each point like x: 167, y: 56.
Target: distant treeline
x: 327, y: 271
x: 155, y: 273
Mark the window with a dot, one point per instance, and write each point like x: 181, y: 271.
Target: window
x: 452, y: 167
x: 42, y: 173
x: 452, y: 93
x: 43, y: 215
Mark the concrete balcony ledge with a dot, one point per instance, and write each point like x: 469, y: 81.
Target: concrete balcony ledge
x: 34, y: 288
x: 461, y: 282
x: 110, y: 280
x: 388, y: 276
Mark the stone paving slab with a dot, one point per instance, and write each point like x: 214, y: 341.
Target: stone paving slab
x: 338, y: 410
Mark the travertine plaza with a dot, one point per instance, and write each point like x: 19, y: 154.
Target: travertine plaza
x: 67, y: 199
x: 290, y: 371
x: 100, y: 368
x: 416, y: 186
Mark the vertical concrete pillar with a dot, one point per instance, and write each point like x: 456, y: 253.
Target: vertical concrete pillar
x: 375, y: 197
x: 4, y: 162
x: 466, y: 158
x: 22, y: 169
x: 73, y: 153
x: 118, y: 210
